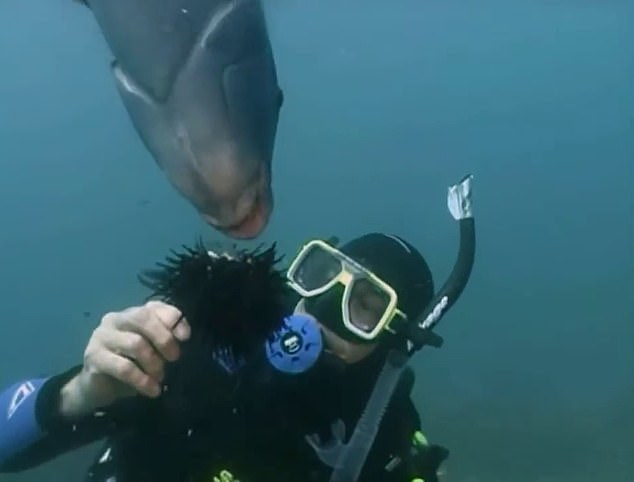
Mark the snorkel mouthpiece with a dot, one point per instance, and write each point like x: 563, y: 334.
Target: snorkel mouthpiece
x: 296, y: 346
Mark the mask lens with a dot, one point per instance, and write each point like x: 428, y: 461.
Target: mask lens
x: 368, y: 304
x: 317, y: 269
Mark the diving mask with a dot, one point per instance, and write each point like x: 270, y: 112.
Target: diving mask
x: 368, y: 304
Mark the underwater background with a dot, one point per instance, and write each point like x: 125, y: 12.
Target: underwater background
x: 387, y: 104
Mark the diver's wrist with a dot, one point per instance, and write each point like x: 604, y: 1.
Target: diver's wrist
x: 70, y: 403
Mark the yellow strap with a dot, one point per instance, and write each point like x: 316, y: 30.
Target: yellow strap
x: 225, y: 476
x: 420, y: 439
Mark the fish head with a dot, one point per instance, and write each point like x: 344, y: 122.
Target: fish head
x: 213, y: 131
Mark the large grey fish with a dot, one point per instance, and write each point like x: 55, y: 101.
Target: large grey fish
x: 199, y: 82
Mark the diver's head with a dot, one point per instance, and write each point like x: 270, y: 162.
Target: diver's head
x: 357, y: 291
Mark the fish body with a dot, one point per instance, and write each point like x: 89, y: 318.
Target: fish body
x: 199, y: 81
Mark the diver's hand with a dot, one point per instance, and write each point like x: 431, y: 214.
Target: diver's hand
x: 125, y: 356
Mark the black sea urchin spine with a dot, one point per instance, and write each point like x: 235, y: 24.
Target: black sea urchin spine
x: 232, y: 302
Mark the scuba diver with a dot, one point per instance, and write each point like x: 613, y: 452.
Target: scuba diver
x: 326, y: 397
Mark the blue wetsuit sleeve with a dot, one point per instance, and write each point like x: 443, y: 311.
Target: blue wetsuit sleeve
x: 31, y: 430
x: 19, y: 427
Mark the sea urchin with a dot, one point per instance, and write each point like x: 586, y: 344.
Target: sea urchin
x: 233, y: 302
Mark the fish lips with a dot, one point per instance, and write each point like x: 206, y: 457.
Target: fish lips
x: 252, y: 223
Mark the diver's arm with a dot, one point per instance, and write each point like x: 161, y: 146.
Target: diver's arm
x: 49, y: 416
x: 32, y: 430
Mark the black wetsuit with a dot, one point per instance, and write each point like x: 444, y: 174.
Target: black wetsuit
x: 253, y: 426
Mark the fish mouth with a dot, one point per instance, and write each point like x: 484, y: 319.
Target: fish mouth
x: 252, y: 224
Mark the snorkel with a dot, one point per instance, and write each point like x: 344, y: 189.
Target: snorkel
x: 348, y: 459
